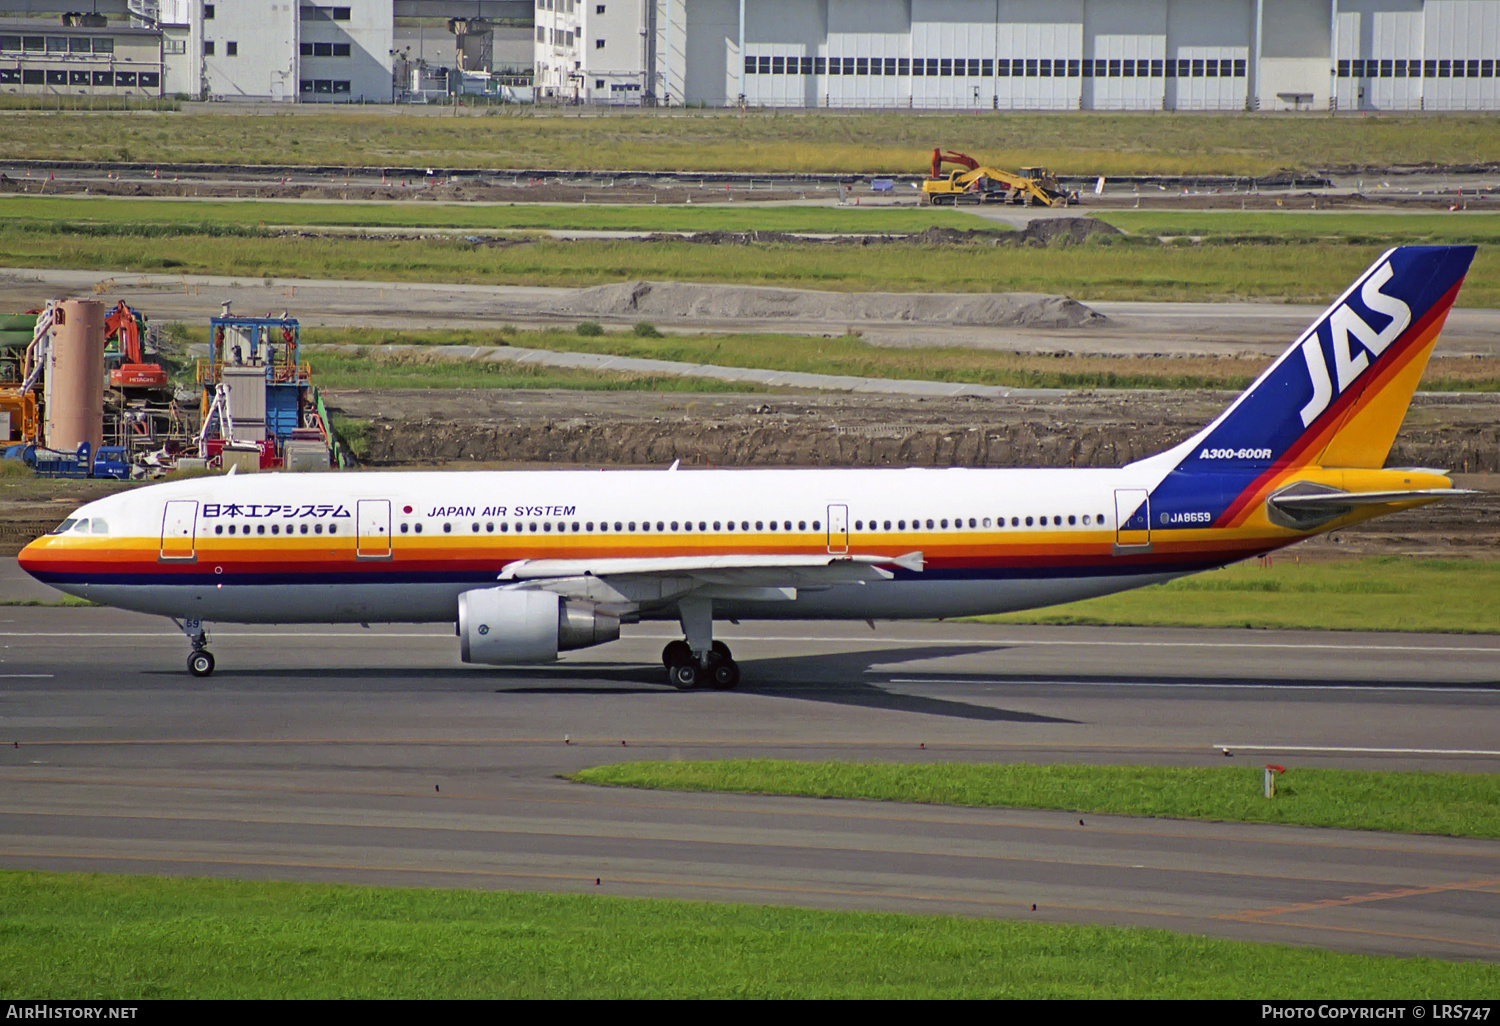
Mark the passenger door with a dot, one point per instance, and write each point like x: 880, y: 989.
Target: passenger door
x: 179, y: 527
x: 374, y: 519
x: 1132, y: 521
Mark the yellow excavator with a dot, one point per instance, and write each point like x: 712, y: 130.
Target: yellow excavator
x: 971, y: 183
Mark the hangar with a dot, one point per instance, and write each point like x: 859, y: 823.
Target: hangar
x: 1024, y: 54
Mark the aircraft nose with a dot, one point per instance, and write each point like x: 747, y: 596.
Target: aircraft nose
x: 30, y: 557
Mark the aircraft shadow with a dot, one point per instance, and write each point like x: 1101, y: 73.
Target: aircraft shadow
x: 837, y: 678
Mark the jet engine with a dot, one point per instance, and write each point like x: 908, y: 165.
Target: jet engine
x: 505, y: 625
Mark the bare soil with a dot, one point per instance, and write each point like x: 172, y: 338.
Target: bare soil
x: 554, y: 429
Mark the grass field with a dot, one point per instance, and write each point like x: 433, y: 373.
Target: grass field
x: 1380, y: 593
x: 1451, y: 804
x: 1072, y: 143
x: 95, y: 936
x: 1366, y: 228
x: 86, y: 213
x: 1312, y: 272
x: 837, y: 354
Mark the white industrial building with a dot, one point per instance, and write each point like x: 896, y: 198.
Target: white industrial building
x: 1024, y: 54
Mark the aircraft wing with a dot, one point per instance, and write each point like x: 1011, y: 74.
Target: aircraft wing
x: 635, y: 581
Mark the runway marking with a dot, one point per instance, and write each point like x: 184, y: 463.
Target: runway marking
x: 1358, y: 751
x: 848, y: 639
x: 1256, y: 915
x: 709, y: 885
x: 1391, y: 933
x: 1095, y: 643
x: 26, y: 676
x: 1254, y: 686
x: 893, y: 812
x: 671, y: 834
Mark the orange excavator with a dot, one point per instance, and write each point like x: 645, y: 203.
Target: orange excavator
x: 974, y: 184
x: 125, y: 327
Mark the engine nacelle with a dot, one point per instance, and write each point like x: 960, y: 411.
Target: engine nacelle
x: 504, y: 625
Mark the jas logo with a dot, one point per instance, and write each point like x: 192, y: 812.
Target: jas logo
x: 1343, y: 326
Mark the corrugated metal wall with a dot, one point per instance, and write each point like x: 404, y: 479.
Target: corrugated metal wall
x: 1094, y: 54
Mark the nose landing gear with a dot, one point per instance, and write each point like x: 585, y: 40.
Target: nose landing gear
x: 200, y: 662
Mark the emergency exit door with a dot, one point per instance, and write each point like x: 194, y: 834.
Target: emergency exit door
x: 374, y: 520
x: 838, y: 530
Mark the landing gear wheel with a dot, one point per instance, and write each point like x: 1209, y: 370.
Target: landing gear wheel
x: 686, y: 674
x: 722, y: 650
x: 200, y: 663
x: 675, y: 652
x: 723, y: 674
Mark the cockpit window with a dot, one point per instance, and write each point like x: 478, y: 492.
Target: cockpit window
x: 101, y: 526
x: 64, y: 526
x: 81, y: 525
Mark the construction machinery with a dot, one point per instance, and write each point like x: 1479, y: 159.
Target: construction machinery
x: 972, y: 183
x: 126, y: 330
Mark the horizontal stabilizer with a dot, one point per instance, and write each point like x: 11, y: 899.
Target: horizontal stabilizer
x: 1305, y: 506
x: 1348, y: 500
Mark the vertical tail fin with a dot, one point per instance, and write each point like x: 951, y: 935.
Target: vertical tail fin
x: 1337, y: 397
x: 1339, y: 394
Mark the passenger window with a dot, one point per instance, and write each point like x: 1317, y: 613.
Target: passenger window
x: 276, y: 528
x: 589, y: 526
x: 417, y: 528
x: 231, y: 527
x: 218, y: 529
x: 745, y: 525
x: 261, y: 529
x: 490, y: 528
x: 659, y: 527
x: 986, y: 522
x: 901, y: 525
x: 817, y: 526
x: 787, y: 524
x: 887, y: 525
x: 1101, y: 520
x: 1016, y: 521
x: 504, y: 527
x: 546, y: 527
x: 304, y: 529
x: 575, y: 527
x: 716, y: 525
x: 929, y: 524
x: 674, y: 525
x: 474, y: 528
x: 273, y: 528
x: 802, y: 525
x: 1085, y: 519
x: 972, y: 524
x: 1072, y: 519
x: 945, y: 523
x: 859, y: 525
x: 704, y: 527
x: 532, y: 525
x: 1028, y: 521
x: 447, y: 529
x: 317, y: 528
x: 773, y: 525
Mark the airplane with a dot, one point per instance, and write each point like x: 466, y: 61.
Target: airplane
x: 530, y: 564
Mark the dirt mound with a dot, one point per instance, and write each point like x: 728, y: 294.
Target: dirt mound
x: 1064, y: 231
x: 671, y: 300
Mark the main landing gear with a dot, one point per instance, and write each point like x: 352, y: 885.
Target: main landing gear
x: 698, y: 660
x: 200, y: 662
